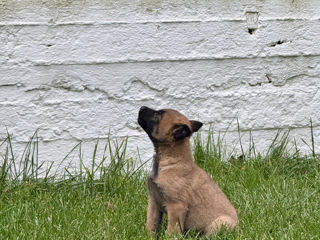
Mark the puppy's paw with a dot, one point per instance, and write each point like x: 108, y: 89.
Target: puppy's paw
x: 222, y: 221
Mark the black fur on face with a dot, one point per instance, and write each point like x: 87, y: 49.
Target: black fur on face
x: 149, y: 119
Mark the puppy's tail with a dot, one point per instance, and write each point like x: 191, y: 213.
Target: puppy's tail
x: 221, y: 221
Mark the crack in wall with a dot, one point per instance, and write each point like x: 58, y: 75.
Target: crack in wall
x: 279, y: 42
x: 5, y: 85
x: 84, y: 88
x: 292, y: 78
x: 129, y: 84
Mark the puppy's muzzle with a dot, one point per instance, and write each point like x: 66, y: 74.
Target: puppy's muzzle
x: 145, y: 118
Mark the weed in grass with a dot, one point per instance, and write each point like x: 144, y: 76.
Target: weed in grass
x: 277, y: 195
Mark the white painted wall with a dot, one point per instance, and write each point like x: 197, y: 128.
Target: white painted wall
x: 79, y: 69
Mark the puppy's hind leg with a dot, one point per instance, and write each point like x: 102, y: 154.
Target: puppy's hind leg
x: 154, y: 216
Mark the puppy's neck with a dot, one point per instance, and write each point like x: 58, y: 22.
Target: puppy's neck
x: 167, y: 154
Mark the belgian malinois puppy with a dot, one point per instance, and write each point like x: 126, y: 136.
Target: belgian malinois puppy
x: 176, y: 185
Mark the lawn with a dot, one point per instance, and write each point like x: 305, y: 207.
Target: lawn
x: 277, y: 195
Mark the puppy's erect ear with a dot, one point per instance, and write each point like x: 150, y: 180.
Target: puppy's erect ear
x: 181, y: 131
x: 195, y: 125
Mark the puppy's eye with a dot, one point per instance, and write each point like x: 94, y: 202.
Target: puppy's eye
x: 157, y: 115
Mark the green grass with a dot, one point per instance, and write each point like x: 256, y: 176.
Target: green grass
x: 277, y: 195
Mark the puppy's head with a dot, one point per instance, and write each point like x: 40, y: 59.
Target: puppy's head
x: 166, y: 125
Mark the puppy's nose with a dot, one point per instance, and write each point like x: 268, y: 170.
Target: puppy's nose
x: 143, y: 108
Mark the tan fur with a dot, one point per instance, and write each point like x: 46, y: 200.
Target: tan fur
x: 178, y: 187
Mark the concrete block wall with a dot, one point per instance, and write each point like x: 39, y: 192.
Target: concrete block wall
x: 79, y: 69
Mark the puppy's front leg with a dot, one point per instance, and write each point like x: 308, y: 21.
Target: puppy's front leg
x: 154, y: 216
x: 176, y: 217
